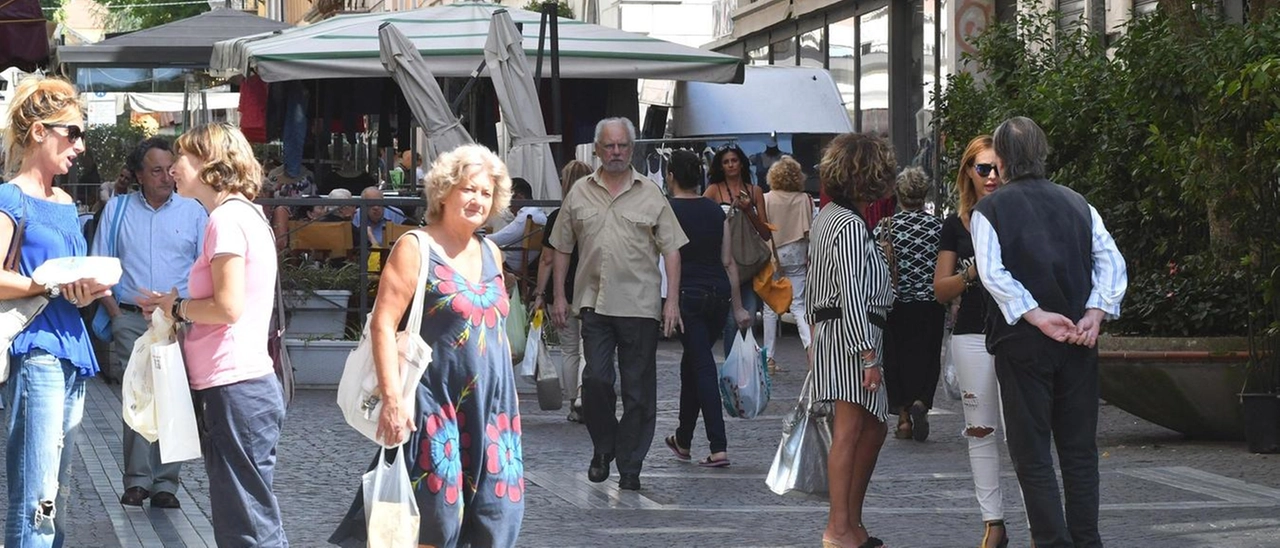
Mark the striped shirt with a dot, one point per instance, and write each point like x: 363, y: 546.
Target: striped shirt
x: 1109, y: 275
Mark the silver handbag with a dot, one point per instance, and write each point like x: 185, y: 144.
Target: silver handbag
x: 16, y: 314
x: 800, y: 464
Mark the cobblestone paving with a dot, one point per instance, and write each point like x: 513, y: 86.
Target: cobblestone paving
x: 1157, y: 488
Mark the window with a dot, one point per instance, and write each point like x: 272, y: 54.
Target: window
x: 843, y: 46
x: 758, y: 56
x: 873, y: 82
x: 784, y: 52
x: 811, y: 48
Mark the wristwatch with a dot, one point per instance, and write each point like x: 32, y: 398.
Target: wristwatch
x: 52, y: 291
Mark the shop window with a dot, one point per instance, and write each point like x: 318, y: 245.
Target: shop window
x: 784, y: 52
x: 758, y: 56
x: 842, y: 45
x: 811, y: 49
x: 873, y: 82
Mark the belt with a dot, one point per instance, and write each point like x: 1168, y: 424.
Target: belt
x: 832, y: 313
x: 130, y: 307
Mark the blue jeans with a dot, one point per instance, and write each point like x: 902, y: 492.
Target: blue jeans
x: 44, y: 397
x: 751, y: 302
x: 702, y: 312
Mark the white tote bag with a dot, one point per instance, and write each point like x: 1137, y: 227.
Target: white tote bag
x: 358, y: 393
x: 176, y: 413
x: 390, y: 510
x: 137, y: 386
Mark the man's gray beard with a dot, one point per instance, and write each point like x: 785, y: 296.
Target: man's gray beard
x: 622, y: 166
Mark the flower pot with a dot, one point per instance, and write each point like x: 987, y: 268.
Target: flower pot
x: 1189, y: 385
x: 1261, y: 422
x: 317, y: 314
x: 318, y: 363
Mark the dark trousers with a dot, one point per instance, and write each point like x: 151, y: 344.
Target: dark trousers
x: 634, y: 342
x: 913, y: 353
x: 703, y: 314
x: 1050, y: 391
x: 241, y: 425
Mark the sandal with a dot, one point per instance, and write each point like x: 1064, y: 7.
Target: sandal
x: 872, y: 542
x: 682, y: 454
x: 714, y: 463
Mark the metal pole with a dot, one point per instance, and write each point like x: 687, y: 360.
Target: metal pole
x: 542, y: 37
x: 550, y: 9
x: 937, y: 92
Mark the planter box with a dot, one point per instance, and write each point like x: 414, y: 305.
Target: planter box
x: 1189, y: 385
x: 318, y: 363
x: 1262, y: 422
x: 317, y: 314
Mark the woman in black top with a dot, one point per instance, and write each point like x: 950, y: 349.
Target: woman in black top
x: 956, y: 276
x: 706, y: 296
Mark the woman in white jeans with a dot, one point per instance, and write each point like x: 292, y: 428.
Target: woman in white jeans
x: 791, y: 221
x: 956, y: 276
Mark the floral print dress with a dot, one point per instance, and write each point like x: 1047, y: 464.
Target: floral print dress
x: 465, y: 459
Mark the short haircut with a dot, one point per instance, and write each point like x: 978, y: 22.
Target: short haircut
x: 857, y: 167
x: 715, y: 172
x: 1022, y: 148
x: 451, y: 169
x: 686, y: 170
x: 786, y: 174
x: 139, y: 153
x: 625, y: 122
x: 912, y: 187
x: 229, y: 164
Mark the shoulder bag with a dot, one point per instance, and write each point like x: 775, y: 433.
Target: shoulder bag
x: 16, y: 314
x: 745, y: 244
x: 886, y: 245
x: 358, y: 393
x: 774, y: 288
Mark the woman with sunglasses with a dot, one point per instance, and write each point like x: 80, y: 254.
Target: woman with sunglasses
x: 956, y: 276
x: 50, y: 359
x: 731, y: 187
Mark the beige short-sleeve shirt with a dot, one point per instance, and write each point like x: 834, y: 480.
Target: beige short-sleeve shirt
x: 619, y: 241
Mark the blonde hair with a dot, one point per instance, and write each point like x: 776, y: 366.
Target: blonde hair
x: 574, y: 170
x: 964, y: 184
x: 229, y: 164
x: 857, y: 167
x: 786, y: 175
x: 912, y: 188
x: 451, y: 169
x: 37, y: 100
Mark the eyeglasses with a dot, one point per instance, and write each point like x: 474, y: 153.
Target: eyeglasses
x: 74, y: 131
x: 985, y: 170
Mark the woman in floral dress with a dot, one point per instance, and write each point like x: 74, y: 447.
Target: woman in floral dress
x: 462, y: 437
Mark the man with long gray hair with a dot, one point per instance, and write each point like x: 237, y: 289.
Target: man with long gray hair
x: 620, y: 223
x: 1054, y: 274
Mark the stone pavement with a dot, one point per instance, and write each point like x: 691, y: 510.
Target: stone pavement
x: 1157, y: 488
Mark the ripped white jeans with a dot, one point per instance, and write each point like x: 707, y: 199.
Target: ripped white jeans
x: 983, y: 419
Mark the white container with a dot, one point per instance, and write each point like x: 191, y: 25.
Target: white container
x: 318, y: 314
x: 318, y: 363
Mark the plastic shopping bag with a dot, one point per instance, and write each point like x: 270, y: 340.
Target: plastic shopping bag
x: 517, y: 322
x: 390, y: 511
x: 178, y: 432
x: 529, y: 361
x: 137, y: 386
x: 744, y: 378
x: 550, y: 395
x: 950, y: 379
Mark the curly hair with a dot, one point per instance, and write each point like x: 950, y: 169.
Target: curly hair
x: 969, y: 196
x: 786, y: 174
x: 37, y: 100
x: 229, y: 163
x: 715, y: 172
x: 857, y: 167
x: 452, y: 168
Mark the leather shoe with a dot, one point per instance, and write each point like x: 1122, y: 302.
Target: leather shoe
x: 134, y: 496
x: 599, y: 470
x: 165, y: 500
x: 630, y: 482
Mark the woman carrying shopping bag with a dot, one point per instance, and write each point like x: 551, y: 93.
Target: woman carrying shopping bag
x: 232, y: 290
x: 706, y: 297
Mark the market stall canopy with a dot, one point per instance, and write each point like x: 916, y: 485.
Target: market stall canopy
x: 24, y: 37
x: 451, y: 38
x: 426, y: 100
x: 812, y: 104
x: 183, y: 43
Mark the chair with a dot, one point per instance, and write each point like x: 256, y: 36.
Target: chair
x: 331, y: 239
x: 393, y: 232
x: 530, y: 242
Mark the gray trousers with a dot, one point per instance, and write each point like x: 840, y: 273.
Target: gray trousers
x: 142, y: 466
x: 634, y: 342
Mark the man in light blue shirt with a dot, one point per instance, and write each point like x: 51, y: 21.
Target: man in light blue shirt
x: 157, y: 235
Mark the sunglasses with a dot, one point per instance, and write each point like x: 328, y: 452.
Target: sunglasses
x: 74, y: 132
x: 985, y: 170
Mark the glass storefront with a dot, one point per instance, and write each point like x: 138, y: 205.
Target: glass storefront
x: 873, y: 82
x: 811, y: 49
x: 843, y: 62
x: 784, y: 52
x: 758, y: 56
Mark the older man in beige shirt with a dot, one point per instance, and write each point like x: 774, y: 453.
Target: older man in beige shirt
x: 621, y: 223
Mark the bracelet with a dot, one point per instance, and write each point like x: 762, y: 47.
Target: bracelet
x: 186, y: 303
x: 175, y: 311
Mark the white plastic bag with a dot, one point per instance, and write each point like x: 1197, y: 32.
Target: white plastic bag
x: 178, y: 432
x: 64, y: 270
x: 950, y: 380
x: 529, y: 362
x: 137, y: 386
x: 744, y: 378
x: 390, y: 511
x: 550, y: 394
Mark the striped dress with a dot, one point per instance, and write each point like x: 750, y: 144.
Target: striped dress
x: 847, y: 271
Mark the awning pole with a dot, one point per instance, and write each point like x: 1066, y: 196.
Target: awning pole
x: 550, y: 11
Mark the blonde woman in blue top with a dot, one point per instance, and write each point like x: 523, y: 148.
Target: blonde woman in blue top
x: 49, y: 360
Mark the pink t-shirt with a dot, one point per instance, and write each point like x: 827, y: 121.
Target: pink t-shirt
x: 220, y: 354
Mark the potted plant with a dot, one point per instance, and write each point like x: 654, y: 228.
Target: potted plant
x: 1260, y: 397
x: 316, y: 297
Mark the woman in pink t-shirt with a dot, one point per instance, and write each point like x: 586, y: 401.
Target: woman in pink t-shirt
x: 230, y: 371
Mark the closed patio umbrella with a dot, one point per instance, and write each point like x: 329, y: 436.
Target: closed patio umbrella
x: 529, y: 155
x: 409, y: 70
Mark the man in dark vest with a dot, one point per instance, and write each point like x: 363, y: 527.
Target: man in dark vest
x: 1054, y: 274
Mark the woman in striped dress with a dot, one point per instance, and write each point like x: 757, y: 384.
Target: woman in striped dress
x: 848, y: 295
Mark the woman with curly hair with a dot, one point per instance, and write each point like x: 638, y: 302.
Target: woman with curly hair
x: 848, y: 295
x: 791, y: 211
